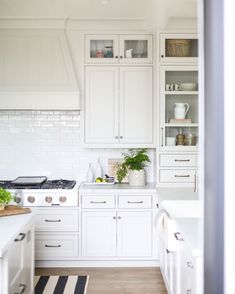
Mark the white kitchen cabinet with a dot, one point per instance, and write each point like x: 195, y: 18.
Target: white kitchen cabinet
x: 121, y: 234
x: 134, y: 231
x: 118, y: 49
x: 57, y: 233
x: 178, y: 48
x: 119, y: 107
x: 99, y: 234
x: 177, y: 159
x: 18, y: 263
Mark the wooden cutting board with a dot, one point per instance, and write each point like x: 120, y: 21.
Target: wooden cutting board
x: 13, y: 210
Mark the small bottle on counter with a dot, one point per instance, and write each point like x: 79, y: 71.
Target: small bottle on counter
x: 90, y: 174
x: 98, y: 170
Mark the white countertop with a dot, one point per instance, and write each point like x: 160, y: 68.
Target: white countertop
x: 176, y: 194
x: 190, y: 229
x: 10, y: 227
x: 151, y: 187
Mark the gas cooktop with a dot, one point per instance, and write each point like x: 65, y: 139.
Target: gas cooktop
x: 46, y: 184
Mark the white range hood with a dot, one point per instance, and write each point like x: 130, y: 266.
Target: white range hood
x: 37, y: 70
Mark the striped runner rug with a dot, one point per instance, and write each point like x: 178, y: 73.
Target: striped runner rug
x: 60, y: 284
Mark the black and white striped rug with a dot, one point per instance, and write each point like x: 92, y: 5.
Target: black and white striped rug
x: 60, y: 284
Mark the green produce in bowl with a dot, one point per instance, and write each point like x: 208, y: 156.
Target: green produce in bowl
x: 5, y: 197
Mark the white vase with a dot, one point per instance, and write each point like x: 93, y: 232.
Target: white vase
x: 89, y: 175
x: 137, y: 177
x: 98, y: 170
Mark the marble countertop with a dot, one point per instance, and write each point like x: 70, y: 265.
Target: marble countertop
x: 10, y: 227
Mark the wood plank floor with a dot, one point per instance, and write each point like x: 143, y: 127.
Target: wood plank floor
x: 115, y: 280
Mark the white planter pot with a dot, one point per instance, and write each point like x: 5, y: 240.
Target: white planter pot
x: 137, y: 177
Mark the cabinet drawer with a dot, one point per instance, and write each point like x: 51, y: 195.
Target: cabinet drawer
x: 56, y: 220
x: 98, y: 201
x: 56, y: 246
x: 140, y: 201
x: 181, y: 160
x: 177, y: 176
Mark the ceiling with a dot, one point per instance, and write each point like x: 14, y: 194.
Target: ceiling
x: 155, y: 11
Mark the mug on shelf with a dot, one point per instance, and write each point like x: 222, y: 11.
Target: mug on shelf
x: 175, y: 87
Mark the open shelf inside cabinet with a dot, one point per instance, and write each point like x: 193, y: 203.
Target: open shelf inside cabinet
x: 190, y: 133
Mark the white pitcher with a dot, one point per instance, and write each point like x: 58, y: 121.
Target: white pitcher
x: 181, y: 110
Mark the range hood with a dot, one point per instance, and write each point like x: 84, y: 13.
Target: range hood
x: 37, y: 70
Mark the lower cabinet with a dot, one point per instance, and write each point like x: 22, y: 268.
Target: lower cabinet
x: 57, y: 233
x: 19, y: 263
x: 179, y: 267
x: 116, y: 234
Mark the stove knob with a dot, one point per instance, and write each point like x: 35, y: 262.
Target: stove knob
x: 48, y: 199
x: 62, y: 199
x: 17, y: 199
x: 31, y: 199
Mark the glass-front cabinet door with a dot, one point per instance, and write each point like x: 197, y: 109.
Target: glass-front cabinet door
x: 136, y: 48
x: 179, y: 108
x: 178, y: 48
x: 101, y: 49
x: 120, y: 49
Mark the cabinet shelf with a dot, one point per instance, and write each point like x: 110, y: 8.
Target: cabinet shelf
x: 181, y: 92
x: 192, y: 125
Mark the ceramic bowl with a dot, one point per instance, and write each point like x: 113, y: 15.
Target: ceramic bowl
x: 188, y: 86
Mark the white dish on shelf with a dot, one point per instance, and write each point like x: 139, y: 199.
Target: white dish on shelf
x: 188, y: 86
x: 101, y: 183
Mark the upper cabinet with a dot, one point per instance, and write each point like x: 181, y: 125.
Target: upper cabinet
x: 115, y: 49
x: 37, y: 70
x: 119, y: 106
x: 178, y: 48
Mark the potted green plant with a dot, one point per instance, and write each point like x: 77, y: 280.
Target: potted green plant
x: 5, y: 198
x: 134, y: 163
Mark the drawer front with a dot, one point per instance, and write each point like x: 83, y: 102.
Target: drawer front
x: 56, y: 246
x: 140, y: 201
x: 177, y: 176
x: 98, y: 201
x: 178, y: 160
x: 56, y: 220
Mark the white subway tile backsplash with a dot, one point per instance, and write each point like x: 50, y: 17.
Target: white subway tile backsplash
x: 49, y: 143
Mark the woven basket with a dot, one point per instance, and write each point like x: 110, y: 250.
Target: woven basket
x: 178, y: 48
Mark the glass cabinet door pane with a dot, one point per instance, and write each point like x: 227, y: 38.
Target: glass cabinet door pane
x: 135, y: 49
x: 101, y: 48
x: 181, y: 48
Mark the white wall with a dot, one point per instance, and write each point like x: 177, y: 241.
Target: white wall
x: 49, y: 143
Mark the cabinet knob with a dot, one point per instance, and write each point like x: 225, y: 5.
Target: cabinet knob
x: 20, y: 237
x: 121, y: 56
x: 162, y: 55
x: 116, y: 56
x: 114, y: 217
x: 121, y: 137
x: 116, y: 137
x: 22, y: 288
x: 190, y: 264
x: 119, y: 217
x: 189, y: 291
x: 177, y: 236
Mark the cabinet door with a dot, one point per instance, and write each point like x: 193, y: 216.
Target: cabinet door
x: 186, y: 95
x: 136, y: 49
x: 134, y: 234
x: 178, y: 48
x: 101, y: 105
x: 99, y: 234
x: 136, y: 105
x: 101, y: 49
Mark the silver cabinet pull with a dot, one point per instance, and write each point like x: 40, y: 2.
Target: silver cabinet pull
x: 20, y: 237
x: 190, y: 264
x: 121, y: 137
x: 119, y: 217
x: 116, y: 137
x: 98, y: 202
x: 182, y: 176
x: 182, y: 160
x: 52, y: 246
x: 114, y: 217
x: 53, y: 220
x: 177, y: 236
x: 135, y: 202
x: 162, y: 137
x: 195, y: 183
x: 22, y: 288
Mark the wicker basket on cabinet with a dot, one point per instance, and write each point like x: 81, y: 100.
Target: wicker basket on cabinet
x: 178, y: 48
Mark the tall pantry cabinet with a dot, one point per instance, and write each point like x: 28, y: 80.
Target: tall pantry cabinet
x: 178, y: 110
x: 119, y: 102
